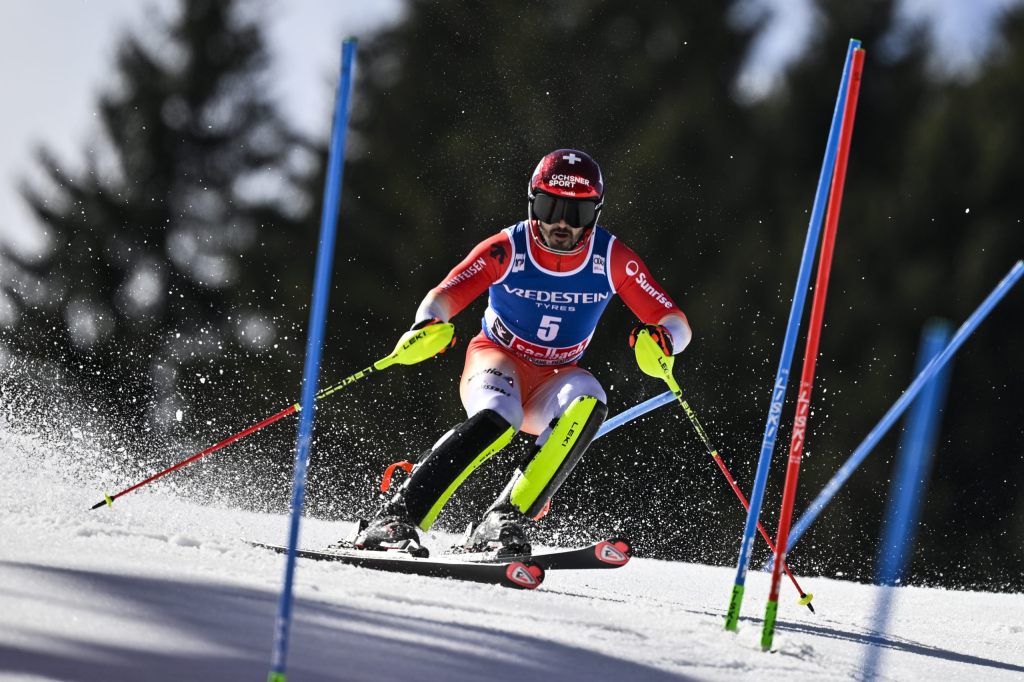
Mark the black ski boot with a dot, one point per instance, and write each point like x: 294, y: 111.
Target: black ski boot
x: 389, y: 532
x: 500, y: 532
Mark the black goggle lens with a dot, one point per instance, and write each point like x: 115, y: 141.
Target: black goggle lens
x: 575, y: 212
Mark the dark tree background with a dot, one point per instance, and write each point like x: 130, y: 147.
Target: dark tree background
x: 183, y: 223
x: 452, y: 108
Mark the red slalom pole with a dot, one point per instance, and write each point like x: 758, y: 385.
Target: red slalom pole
x: 805, y: 597
x: 803, y: 406
x: 109, y: 499
x: 416, y: 345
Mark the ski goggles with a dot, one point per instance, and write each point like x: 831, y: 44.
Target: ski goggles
x: 576, y: 212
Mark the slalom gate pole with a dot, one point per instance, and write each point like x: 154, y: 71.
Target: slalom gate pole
x: 665, y: 398
x: 413, y: 347
x: 634, y: 412
x: 314, y: 345
x: 803, y: 405
x: 906, y: 490
x: 778, y: 395
x: 897, y: 409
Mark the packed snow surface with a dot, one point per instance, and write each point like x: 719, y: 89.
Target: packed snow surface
x: 159, y: 588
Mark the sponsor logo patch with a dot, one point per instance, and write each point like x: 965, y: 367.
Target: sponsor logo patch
x: 545, y: 296
x: 567, y: 181
x: 474, y: 267
x: 610, y: 554
x: 521, y: 575
x: 661, y: 298
x: 503, y: 333
x: 519, y: 262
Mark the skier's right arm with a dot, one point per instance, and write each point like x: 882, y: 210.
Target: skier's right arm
x: 484, y: 265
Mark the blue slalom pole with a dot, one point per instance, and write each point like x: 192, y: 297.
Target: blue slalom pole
x: 906, y: 490
x: 916, y: 449
x: 314, y: 345
x: 635, y: 412
x: 877, y: 433
x: 789, y: 344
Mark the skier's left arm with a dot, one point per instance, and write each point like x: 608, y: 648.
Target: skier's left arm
x: 647, y: 299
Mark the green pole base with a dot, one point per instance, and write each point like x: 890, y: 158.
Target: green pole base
x: 732, y: 616
x: 276, y: 677
x: 768, y: 633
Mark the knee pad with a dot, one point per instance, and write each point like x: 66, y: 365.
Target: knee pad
x: 553, y: 461
x: 451, y: 461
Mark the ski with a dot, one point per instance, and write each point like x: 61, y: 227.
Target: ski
x: 614, y: 552
x: 523, y: 574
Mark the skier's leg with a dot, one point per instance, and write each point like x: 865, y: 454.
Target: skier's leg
x: 435, y: 478
x: 572, y: 402
x: 491, y: 381
x: 490, y: 393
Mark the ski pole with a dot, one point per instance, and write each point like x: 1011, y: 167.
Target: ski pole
x: 415, y: 346
x: 655, y: 363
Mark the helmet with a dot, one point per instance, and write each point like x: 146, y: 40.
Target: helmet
x: 567, y: 184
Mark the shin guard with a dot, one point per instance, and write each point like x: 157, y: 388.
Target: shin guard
x: 554, y: 461
x: 438, y: 475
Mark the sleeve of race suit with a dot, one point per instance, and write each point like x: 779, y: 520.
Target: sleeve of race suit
x: 645, y: 297
x: 484, y: 265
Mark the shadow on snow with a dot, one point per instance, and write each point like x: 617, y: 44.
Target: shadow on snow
x: 230, y: 629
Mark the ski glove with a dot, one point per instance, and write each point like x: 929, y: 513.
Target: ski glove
x: 658, y: 333
x: 652, y: 344
x: 432, y: 321
x: 420, y: 343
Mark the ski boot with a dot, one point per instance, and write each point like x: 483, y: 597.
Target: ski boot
x: 500, y: 532
x: 389, y: 532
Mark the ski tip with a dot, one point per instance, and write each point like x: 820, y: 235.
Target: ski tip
x: 525, y: 575
x: 614, y: 552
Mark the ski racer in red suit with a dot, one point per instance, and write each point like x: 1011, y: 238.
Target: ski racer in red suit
x: 548, y: 279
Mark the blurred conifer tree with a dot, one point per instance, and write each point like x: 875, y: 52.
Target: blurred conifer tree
x: 172, y: 234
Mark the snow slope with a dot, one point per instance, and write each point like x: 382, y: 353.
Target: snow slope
x: 157, y: 588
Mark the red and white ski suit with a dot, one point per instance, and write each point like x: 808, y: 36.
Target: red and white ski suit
x: 508, y: 374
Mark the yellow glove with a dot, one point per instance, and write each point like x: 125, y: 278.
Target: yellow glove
x: 652, y: 344
x: 425, y: 340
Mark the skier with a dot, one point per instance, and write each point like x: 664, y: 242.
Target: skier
x: 549, y: 279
